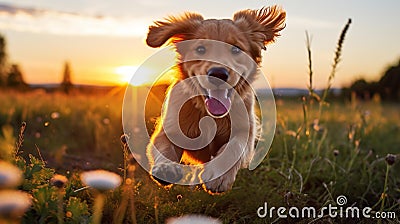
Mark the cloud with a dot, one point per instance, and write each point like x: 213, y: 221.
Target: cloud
x: 310, y: 23
x: 40, y: 20
x: 27, y: 19
x: 12, y: 10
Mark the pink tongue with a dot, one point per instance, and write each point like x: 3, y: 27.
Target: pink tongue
x: 218, y: 102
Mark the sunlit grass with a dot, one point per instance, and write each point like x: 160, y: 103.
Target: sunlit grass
x: 66, y: 126
x: 343, y: 154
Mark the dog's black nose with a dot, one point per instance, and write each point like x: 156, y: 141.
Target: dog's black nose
x: 220, y: 73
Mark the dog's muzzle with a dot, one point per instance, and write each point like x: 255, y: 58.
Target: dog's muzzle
x: 218, y: 100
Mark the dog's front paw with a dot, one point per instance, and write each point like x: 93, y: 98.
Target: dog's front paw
x: 219, y: 185
x: 166, y: 173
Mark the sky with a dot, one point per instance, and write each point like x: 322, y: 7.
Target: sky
x: 104, y: 41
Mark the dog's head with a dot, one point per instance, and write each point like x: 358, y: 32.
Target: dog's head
x: 222, y: 54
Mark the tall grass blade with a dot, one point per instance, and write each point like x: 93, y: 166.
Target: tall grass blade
x: 336, y: 60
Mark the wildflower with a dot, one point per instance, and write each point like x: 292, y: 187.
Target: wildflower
x: 68, y: 214
x: 193, y: 219
x: 390, y: 159
x: 10, y: 175
x: 335, y: 152
x: 58, y: 181
x: 14, y: 203
x: 101, y: 180
x: 128, y: 181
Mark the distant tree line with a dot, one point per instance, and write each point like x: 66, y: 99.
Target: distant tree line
x: 387, y: 87
x: 11, y: 75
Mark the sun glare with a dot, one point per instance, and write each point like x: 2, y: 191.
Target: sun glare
x: 138, y: 76
x: 126, y: 73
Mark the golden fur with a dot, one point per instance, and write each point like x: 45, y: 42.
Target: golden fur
x: 250, y: 31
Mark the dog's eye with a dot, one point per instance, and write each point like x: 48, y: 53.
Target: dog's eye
x: 201, y: 50
x: 236, y: 50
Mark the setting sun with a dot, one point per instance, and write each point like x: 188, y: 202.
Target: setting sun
x: 126, y: 73
x: 141, y: 75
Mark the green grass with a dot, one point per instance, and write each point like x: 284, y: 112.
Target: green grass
x: 301, y: 170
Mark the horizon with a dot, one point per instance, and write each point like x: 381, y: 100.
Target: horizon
x: 104, y: 42
x: 110, y: 85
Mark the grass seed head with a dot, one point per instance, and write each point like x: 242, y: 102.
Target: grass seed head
x: 336, y: 152
x: 124, y: 139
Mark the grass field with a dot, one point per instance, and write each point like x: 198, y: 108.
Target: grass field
x: 315, y: 158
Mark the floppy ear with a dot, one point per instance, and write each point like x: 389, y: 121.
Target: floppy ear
x: 261, y: 25
x: 174, y: 28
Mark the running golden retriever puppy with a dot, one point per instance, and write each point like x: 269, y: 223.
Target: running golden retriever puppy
x: 217, y: 62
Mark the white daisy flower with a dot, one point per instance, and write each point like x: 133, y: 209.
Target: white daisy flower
x: 193, y: 219
x: 101, y: 180
x: 10, y: 175
x: 14, y: 203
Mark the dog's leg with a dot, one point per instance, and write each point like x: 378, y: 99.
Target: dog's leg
x: 214, y: 178
x: 164, y: 159
x: 239, y: 152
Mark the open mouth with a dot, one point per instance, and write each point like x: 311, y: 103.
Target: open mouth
x: 218, y: 102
